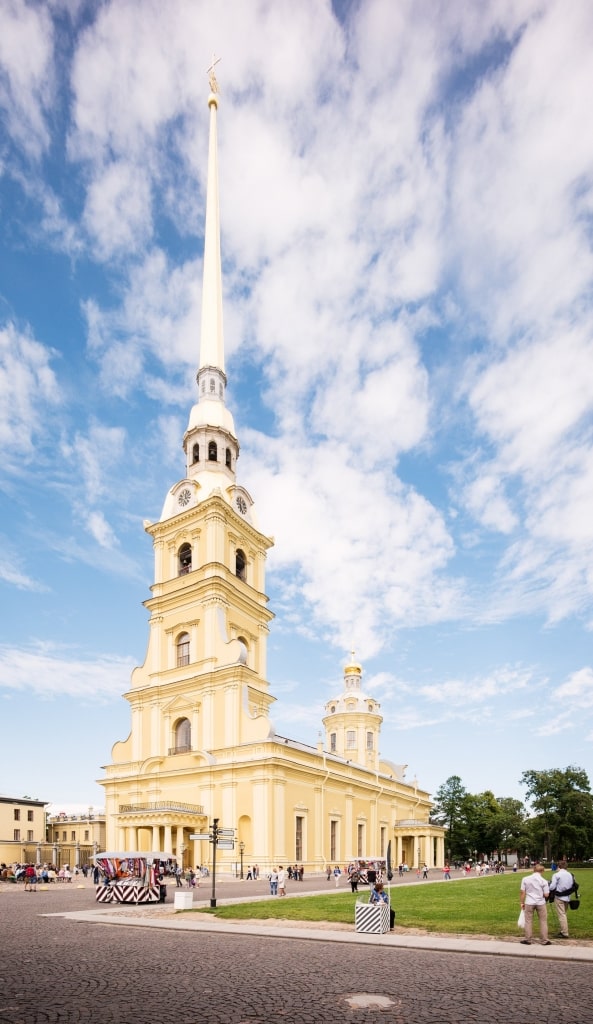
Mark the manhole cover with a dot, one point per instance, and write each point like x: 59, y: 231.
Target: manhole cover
x: 366, y: 1001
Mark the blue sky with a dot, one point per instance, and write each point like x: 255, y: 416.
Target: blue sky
x: 407, y: 226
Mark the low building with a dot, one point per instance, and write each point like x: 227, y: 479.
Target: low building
x: 22, y: 829
x: 74, y: 839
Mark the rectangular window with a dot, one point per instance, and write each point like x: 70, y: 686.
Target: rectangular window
x: 73, y: 836
x: 29, y: 815
x: 17, y: 814
x: 360, y: 840
x: 63, y: 837
x: 369, y: 741
x: 17, y: 835
x: 30, y: 835
x: 350, y: 739
x: 332, y: 741
x: 383, y: 840
x: 333, y: 841
x: 86, y: 835
x: 298, y: 839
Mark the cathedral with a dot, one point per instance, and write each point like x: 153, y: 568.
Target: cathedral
x: 202, y: 745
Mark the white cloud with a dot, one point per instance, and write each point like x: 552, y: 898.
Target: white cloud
x: 26, y: 75
x: 577, y: 691
x: 368, y: 554
x: 503, y: 681
x: 118, y: 209
x: 28, y: 389
x: 49, y: 671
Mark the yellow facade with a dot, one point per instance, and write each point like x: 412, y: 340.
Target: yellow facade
x: 22, y: 829
x: 202, y: 745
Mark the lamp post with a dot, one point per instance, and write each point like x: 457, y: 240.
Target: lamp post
x: 241, y: 852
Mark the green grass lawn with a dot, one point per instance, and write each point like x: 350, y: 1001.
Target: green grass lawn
x: 488, y: 906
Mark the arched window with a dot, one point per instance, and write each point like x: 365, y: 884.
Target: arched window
x: 182, y: 736
x: 184, y: 559
x: 228, y: 458
x: 240, y: 564
x: 196, y: 453
x: 212, y: 385
x: 182, y: 650
x: 212, y: 451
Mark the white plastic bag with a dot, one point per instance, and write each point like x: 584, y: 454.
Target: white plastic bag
x: 521, y: 921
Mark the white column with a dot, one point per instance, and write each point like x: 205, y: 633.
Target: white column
x: 168, y: 839
x: 156, y: 837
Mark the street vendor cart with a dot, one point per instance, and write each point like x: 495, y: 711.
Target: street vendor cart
x: 133, y: 876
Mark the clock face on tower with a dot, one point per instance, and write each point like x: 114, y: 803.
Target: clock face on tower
x: 241, y: 504
x: 184, y: 497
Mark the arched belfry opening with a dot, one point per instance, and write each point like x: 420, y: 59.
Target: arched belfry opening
x: 212, y: 451
x: 184, y: 559
x: 240, y: 564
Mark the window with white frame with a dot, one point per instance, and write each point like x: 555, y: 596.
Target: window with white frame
x: 182, y: 650
x: 350, y: 739
x: 333, y: 840
x: 360, y: 840
x: 298, y: 837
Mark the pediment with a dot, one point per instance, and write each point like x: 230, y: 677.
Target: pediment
x: 180, y: 704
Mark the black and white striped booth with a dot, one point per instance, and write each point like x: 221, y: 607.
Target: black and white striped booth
x: 372, y: 918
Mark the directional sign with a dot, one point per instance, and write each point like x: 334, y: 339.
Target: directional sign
x: 225, y: 844
x: 201, y: 835
x: 226, y: 832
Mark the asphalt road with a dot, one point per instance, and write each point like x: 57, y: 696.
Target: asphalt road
x: 57, y: 970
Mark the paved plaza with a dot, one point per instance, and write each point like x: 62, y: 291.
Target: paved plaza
x: 67, y: 960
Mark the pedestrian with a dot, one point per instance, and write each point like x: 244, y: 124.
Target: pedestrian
x: 400, y: 871
x: 249, y: 876
x: 562, y: 886
x: 273, y: 882
x: 354, y: 877
x: 425, y: 870
x: 30, y: 879
x: 329, y: 872
x: 378, y: 895
x: 534, y: 896
x: 337, y: 873
x: 281, y: 881
x: 447, y: 873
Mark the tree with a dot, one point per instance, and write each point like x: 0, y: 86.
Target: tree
x: 448, y: 812
x: 512, y: 824
x: 563, y: 823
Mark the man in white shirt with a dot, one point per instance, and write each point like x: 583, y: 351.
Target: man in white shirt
x: 562, y: 886
x: 534, y: 894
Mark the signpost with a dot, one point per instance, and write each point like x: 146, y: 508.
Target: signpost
x: 221, y: 839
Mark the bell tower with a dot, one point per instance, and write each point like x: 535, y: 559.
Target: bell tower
x: 202, y: 687
x: 352, y: 721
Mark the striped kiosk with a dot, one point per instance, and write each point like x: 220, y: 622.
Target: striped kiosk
x: 104, y: 894
x: 372, y: 918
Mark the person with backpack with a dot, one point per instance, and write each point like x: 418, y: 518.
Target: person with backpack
x: 562, y: 886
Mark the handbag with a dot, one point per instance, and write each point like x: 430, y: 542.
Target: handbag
x: 521, y: 920
x: 574, y: 904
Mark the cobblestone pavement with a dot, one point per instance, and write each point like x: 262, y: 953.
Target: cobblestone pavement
x: 57, y: 970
